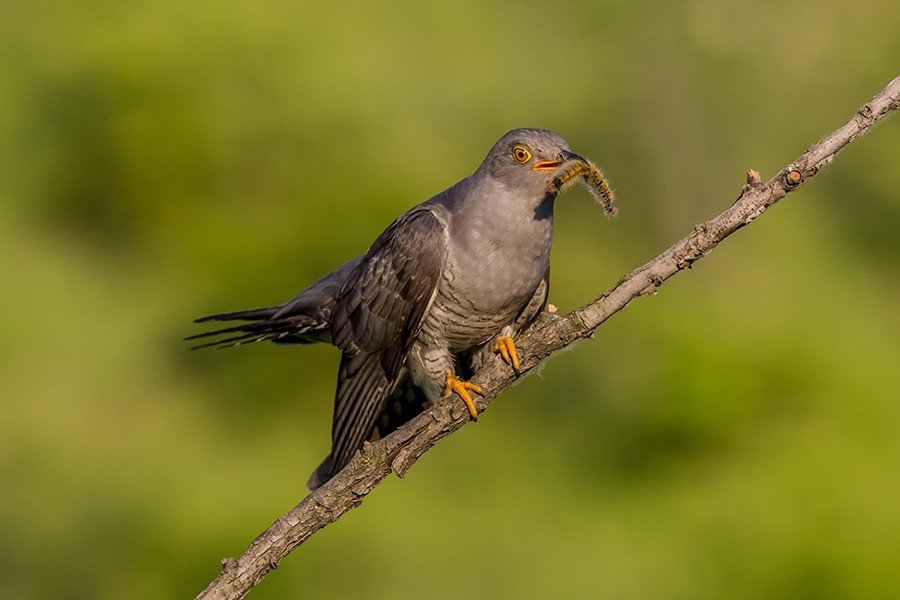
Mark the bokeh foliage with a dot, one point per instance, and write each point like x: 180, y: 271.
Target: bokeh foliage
x: 735, y: 436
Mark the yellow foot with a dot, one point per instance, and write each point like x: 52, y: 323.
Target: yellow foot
x: 454, y: 384
x: 507, y: 349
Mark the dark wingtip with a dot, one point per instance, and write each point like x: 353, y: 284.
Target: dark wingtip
x: 321, y: 475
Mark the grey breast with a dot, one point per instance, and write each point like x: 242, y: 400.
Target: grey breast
x: 496, y: 259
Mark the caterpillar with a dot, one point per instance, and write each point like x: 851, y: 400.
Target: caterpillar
x: 591, y: 176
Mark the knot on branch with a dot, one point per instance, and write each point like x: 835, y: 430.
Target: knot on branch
x: 792, y: 178
x: 653, y: 287
x: 866, y: 113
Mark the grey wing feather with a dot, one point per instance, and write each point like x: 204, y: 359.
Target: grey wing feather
x: 377, y: 317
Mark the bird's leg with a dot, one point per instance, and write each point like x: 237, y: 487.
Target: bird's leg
x: 507, y: 349
x: 455, y: 384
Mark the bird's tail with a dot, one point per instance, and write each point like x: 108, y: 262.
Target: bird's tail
x: 302, y: 320
x: 262, y: 324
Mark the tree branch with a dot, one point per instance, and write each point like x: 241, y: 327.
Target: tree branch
x: 549, y: 334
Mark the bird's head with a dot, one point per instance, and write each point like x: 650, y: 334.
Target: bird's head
x: 535, y: 162
x: 526, y: 159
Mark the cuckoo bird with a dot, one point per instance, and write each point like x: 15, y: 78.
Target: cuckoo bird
x: 447, y: 284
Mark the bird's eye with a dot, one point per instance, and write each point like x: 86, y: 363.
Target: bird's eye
x: 521, y: 154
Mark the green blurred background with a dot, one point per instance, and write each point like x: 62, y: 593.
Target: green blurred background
x: 735, y: 436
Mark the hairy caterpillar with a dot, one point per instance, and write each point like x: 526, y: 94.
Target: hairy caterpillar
x: 591, y: 176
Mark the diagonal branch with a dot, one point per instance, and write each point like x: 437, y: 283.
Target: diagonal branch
x: 549, y: 334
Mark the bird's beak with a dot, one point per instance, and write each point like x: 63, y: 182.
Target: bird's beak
x: 552, y: 165
x: 568, y: 155
x: 546, y: 165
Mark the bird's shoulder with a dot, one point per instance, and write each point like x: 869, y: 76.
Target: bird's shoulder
x: 424, y: 223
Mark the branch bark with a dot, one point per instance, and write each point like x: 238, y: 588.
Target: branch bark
x: 549, y: 334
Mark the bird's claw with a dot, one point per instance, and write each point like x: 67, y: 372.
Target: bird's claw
x: 507, y: 349
x: 455, y: 384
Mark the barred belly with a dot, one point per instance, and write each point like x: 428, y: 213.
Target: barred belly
x: 466, y: 313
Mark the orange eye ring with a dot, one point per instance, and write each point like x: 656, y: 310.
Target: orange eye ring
x: 521, y: 154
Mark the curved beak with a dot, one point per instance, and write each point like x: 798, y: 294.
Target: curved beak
x: 568, y: 155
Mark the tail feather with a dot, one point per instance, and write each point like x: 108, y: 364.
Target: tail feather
x: 245, y: 327
x: 302, y: 329
x: 303, y: 320
x: 238, y: 340
x: 254, y: 314
x: 242, y: 340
